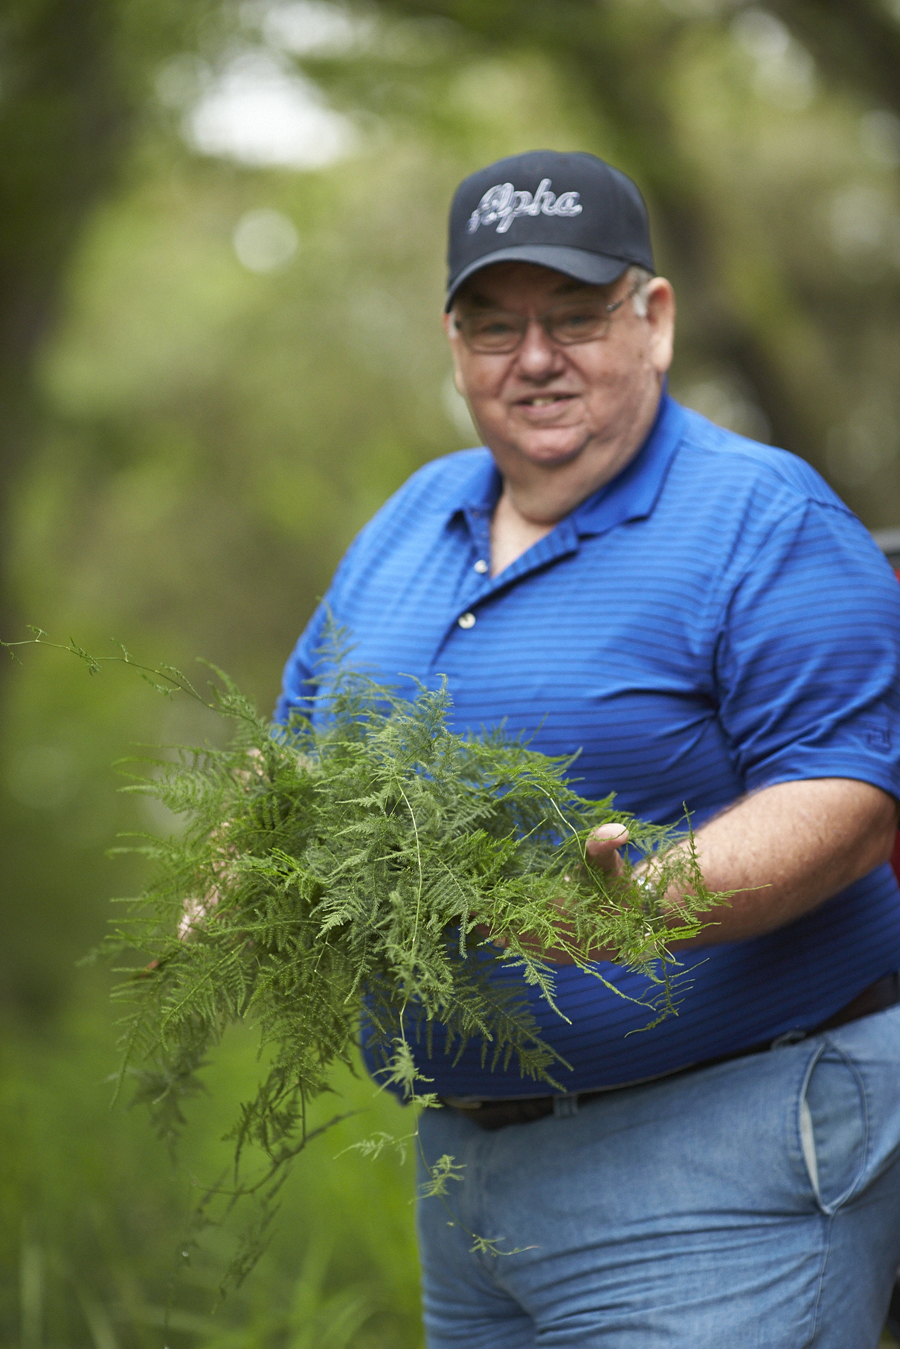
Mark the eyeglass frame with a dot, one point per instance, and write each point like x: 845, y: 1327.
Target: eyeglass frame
x: 608, y: 309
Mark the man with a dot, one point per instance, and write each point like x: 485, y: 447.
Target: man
x: 691, y: 612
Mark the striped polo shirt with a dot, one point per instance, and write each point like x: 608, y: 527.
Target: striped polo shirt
x: 712, y: 621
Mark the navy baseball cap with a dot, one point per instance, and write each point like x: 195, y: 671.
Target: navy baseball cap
x: 572, y: 212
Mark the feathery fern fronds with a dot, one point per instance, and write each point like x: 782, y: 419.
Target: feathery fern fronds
x: 350, y: 865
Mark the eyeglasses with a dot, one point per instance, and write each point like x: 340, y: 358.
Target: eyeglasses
x: 498, y: 332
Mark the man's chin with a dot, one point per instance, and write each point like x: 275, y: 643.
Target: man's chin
x: 551, y: 452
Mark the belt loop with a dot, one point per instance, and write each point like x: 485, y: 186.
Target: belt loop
x: 565, y: 1106
x: 790, y: 1037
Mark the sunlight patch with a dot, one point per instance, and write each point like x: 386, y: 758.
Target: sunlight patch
x: 261, y: 113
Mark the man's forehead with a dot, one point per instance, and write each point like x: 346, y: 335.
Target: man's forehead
x: 511, y: 281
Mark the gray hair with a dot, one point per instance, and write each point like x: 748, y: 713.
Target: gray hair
x: 640, y: 277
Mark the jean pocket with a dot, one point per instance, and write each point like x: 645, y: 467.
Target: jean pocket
x: 834, y: 1128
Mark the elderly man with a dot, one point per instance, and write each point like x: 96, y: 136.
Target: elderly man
x: 692, y: 613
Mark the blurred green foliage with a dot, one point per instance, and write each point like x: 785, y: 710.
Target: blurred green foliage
x: 96, y: 1245
x: 190, y: 441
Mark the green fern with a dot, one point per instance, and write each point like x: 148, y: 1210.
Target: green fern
x: 350, y: 865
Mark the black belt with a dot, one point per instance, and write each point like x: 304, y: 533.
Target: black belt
x: 496, y: 1114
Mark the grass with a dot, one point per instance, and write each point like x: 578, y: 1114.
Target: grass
x: 97, y: 1217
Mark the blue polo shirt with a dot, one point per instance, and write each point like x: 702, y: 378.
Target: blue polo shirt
x: 713, y: 621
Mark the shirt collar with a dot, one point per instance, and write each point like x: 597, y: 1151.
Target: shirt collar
x: 631, y: 495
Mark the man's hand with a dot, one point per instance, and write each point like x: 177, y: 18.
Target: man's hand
x: 603, y: 848
x: 602, y: 852
x: 783, y: 850
x: 197, y: 910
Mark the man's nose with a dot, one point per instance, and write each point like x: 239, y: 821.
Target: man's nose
x: 538, y: 357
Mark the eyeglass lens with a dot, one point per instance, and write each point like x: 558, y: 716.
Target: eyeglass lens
x: 497, y: 330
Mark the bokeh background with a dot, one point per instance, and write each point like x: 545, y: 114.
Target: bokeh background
x: 221, y: 243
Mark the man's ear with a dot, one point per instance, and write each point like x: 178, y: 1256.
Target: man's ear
x: 661, y: 320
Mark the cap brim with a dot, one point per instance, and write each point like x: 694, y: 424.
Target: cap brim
x: 595, y: 269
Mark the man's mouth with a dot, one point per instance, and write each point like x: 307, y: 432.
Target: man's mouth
x: 544, y: 400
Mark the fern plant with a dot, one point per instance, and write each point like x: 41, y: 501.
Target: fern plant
x: 347, y: 868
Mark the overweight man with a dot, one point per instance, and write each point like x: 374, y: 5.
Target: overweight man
x: 694, y: 615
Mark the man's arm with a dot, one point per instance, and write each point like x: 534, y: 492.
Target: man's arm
x: 785, y: 849
x: 803, y: 841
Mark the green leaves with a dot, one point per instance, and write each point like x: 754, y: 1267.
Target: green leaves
x: 351, y: 867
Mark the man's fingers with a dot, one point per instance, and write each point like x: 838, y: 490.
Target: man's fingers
x: 603, y: 844
x: 614, y: 834
x: 602, y: 851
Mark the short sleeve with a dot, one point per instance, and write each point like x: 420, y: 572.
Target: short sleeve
x: 808, y: 655
x: 300, y: 682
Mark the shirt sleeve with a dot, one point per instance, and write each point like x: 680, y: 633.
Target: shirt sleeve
x: 808, y: 655
x: 316, y: 649
x: 298, y: 683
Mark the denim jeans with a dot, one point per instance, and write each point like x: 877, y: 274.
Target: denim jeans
x: 751, y: 1205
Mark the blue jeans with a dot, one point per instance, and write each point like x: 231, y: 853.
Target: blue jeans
x: 751, y: 1205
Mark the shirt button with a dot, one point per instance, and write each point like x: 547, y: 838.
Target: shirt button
x: 481, y: 566
x: 466, y: 621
